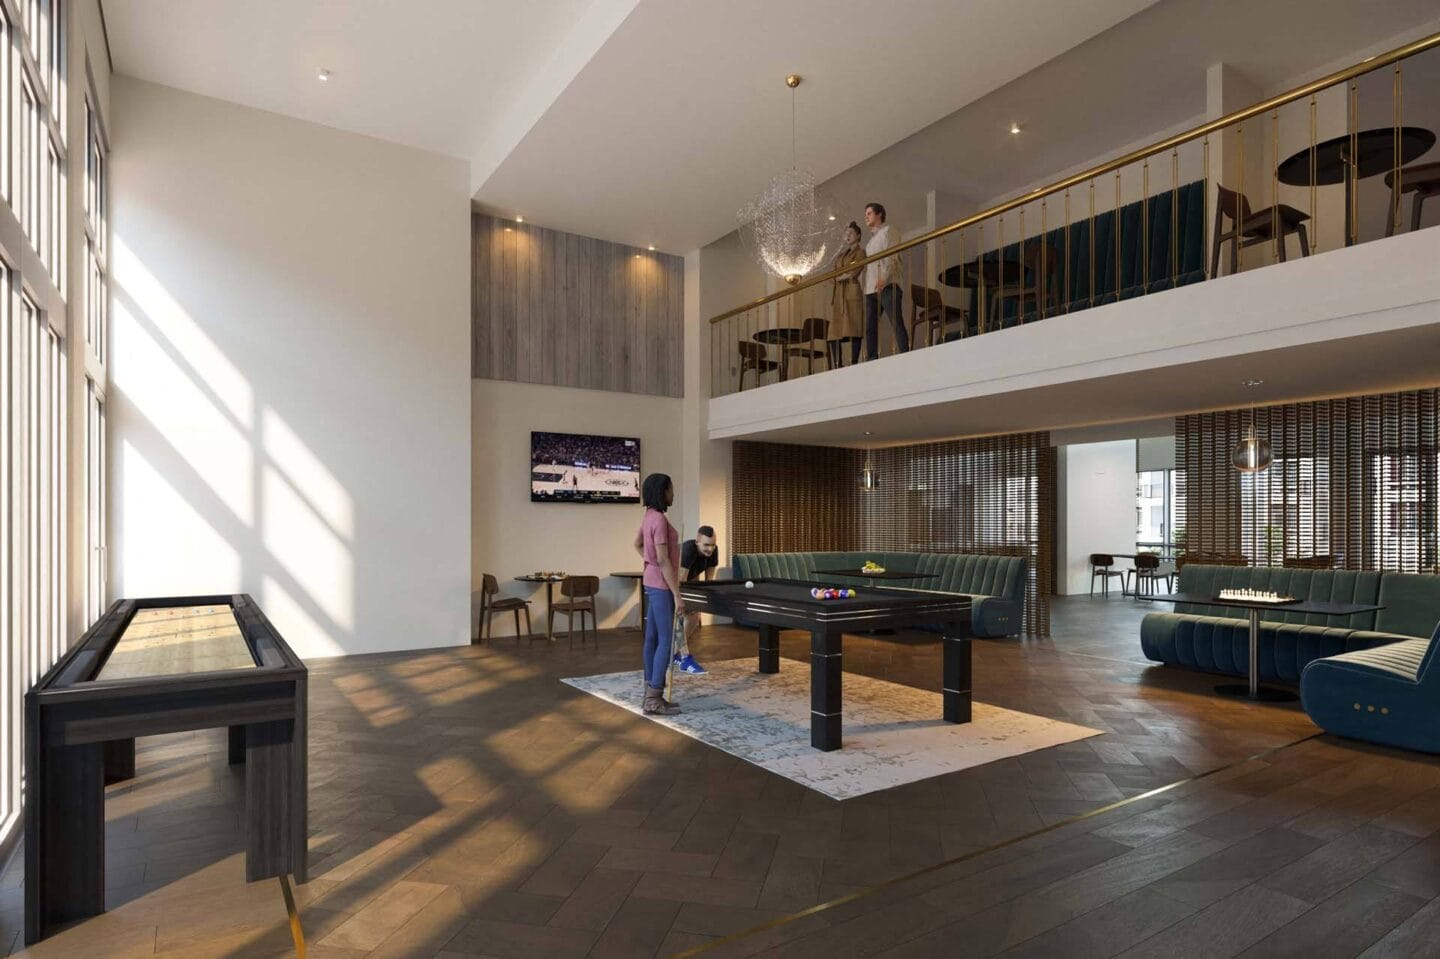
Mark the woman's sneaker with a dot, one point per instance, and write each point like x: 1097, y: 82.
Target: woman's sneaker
x: 687, y: 664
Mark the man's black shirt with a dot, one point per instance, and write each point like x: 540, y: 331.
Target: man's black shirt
x: 695, y: 562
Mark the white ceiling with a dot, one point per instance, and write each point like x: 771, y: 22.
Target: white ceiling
x: 683, y: 114
x: 434, y: 74
x: 652, y: 121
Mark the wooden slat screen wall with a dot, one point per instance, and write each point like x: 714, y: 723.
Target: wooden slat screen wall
x: 1356, y: 478
x: 993, y: 495
x: 565, y: 310
x: 795, y: 499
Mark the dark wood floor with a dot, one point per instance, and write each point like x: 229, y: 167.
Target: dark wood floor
x: 465, y: 803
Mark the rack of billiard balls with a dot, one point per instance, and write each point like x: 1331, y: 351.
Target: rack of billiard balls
x: 831, y: 593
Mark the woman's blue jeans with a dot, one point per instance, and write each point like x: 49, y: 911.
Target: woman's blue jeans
x: 659, y: 631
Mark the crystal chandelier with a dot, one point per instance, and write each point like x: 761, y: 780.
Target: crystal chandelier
x: 789, y: 226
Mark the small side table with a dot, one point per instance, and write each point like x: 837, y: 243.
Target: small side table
x: 1254, y: 690
x: 549, y: 582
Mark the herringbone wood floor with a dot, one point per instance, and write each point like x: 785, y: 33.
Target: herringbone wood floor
x: 465, y: 803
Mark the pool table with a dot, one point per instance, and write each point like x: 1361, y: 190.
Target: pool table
x: 152, y: 666
x: 776, y: 604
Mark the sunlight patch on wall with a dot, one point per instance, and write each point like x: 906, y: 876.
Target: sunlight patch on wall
x: 306, y: 636
x: 306, y: 548
x: 176, y: 551
x: 309, y: 476
x: 181, y: 413
x: 134, y: 282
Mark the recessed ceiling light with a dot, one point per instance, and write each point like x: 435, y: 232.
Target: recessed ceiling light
x: 507, y: 229
x: 1251, y: 382
x: 1014, y: 128
x: 519, y: 219
x: 832, y: 216
x: 867, y: 432
x: 323, y: 76
x: 637, y: 256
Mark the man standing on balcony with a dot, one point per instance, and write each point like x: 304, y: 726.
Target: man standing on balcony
x: 882, y: 283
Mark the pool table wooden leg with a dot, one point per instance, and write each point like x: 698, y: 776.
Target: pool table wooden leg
x: 769, y: 649
x: 825, y: 690
x: 956, y: 679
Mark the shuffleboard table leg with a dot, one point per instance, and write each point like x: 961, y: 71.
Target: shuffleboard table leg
x: 769, y: 649
x: 237, y: 745
x: 65, y: 838
x: 825, y: 675
x: 119, y: 760
x: 269, y: 790
x: 956, y: 679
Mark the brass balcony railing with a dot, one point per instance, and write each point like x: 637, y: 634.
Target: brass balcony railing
x: 1327, y: 164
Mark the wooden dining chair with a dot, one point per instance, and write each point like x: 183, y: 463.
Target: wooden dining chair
x: 1102, y: 566
x: 490, y: 604
x: 812, y: 333
x: 1249, y: 228
x: 1148, y: 572
x: 578, y: 598
x: 1422, y: 179
x: 753, y: 356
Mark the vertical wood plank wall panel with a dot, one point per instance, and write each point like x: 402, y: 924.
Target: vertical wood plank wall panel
x: 564, y: 310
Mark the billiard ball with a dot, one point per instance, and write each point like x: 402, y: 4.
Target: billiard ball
x: 749, y: 584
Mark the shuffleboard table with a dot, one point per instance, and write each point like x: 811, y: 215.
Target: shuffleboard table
x: 152, y: 666
x: 776, y: 604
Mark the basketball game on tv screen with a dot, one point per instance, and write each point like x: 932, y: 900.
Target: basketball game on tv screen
x: 566, y: 468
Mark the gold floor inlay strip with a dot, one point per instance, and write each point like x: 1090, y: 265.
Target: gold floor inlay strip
x: 296, y: 932
x: 889, y: 883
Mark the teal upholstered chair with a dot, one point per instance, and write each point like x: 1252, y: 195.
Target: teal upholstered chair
x: 1388, y: 695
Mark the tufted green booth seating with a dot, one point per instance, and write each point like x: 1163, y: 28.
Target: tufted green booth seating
x: 995, y: 584
x: 1212, y: 639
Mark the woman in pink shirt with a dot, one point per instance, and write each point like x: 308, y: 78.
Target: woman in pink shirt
x: 659, y: 547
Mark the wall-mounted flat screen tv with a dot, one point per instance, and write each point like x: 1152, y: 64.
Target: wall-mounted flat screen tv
x: 570, y: 468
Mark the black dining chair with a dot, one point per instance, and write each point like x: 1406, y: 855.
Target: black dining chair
x: 1101, y: 566
x: 1247, y: 228
x: 1148, y: 572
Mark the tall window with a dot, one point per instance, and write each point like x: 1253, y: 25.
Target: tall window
x: 1159, y: 511
x: 97, y: 298
x: 35, y: 398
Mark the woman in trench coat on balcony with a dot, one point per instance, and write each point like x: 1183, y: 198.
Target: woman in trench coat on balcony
x: 847, y: 307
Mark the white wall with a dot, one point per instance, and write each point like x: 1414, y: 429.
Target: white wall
x: 289, y: 398
x: 1095, y: 509
x: 512, y: 536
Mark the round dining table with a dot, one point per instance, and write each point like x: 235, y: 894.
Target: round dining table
x: 1351, y: 157
x: 783, y: 337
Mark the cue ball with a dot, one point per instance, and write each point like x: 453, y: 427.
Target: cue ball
x: 749, y: 584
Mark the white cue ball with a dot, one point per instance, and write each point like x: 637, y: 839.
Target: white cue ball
x: 749, y: 584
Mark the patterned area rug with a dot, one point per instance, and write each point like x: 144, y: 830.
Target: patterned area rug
x: 893, y: 734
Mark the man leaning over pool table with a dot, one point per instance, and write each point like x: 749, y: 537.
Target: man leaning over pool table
x: 698, y: 559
